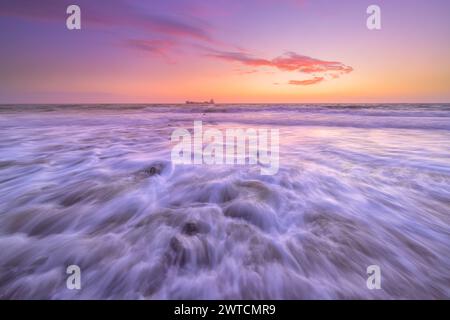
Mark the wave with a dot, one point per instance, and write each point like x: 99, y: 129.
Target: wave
x: 96, y: 188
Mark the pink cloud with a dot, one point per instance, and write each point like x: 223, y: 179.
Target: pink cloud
x: 295, y: 62
x: 307, y: 82
x: 290, y: 62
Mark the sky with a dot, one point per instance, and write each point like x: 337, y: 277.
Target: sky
x: 249, y: 51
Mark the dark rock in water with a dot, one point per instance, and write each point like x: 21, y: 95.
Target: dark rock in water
x: 150, y: 171
x: 190, y: 228
x: 194, y: 227
x: 156, y: 168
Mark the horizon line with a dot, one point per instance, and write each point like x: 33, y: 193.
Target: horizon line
x: 220, y: 103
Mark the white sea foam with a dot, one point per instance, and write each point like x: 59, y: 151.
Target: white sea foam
x: 93, y: 186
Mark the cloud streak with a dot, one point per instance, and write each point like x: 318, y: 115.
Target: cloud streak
x: 156, y: 46
x: 307, y: 82
x: 118, y: 13
x: 289, y: 62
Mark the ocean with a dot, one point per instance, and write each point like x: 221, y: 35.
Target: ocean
x: 94, y: 186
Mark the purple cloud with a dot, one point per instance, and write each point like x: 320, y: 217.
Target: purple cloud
x: 111, y: 14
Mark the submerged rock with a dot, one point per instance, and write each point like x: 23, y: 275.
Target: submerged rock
x: 156, y: 168
x: 195, y: 227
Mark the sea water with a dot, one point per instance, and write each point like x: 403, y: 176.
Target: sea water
x: 94, y: 186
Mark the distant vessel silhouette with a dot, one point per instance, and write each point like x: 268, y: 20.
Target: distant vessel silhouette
x: 201, y: 102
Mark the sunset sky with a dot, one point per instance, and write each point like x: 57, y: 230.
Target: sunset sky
x: 230, y: 50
